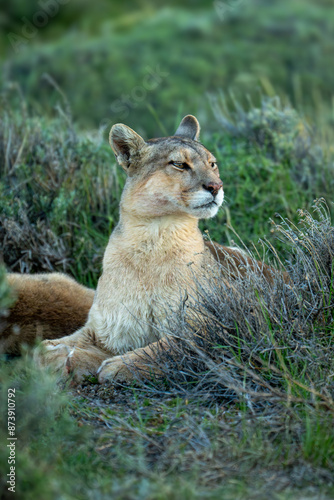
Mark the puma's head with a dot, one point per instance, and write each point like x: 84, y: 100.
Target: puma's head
x: 170, y: 175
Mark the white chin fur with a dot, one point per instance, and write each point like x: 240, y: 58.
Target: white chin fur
x: 211, y: 211
x: 206, y: 213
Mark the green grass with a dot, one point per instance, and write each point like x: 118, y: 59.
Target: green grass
x: 281, y: 47
x: 103, y: 442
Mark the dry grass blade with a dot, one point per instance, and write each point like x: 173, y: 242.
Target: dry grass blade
x: 256, y: 341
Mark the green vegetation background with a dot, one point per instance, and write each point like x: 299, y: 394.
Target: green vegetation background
x: 100, y: 53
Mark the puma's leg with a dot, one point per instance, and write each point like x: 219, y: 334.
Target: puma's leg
x: 78, y: 354
x: 132, y: 365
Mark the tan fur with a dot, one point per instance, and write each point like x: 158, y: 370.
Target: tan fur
x: 155, y: 256
x: 46, y: 307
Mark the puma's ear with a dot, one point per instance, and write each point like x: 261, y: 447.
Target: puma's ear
x: 125, y: 143
x: 189, y: 128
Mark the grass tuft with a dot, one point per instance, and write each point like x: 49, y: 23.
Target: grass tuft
x: 256, y: 342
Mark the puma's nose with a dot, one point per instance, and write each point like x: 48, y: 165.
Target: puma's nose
x: 213, y: 187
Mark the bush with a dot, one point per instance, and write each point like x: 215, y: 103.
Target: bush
x: 261, y: 341
x: 44, y: 431
x: 6, y: 298
x: 59, y: 195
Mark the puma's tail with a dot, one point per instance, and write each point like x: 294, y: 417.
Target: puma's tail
x: 47, y: 306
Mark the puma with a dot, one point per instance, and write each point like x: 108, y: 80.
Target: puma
x: 155, y: 255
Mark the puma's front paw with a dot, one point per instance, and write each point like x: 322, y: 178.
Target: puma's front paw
x: 54, y: 355
x: 117, y: 369
x: 130, y: 367
x: 67, y: 360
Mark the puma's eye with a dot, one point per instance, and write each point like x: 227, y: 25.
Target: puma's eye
x: 214, y: 164
x: 180, y: 165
